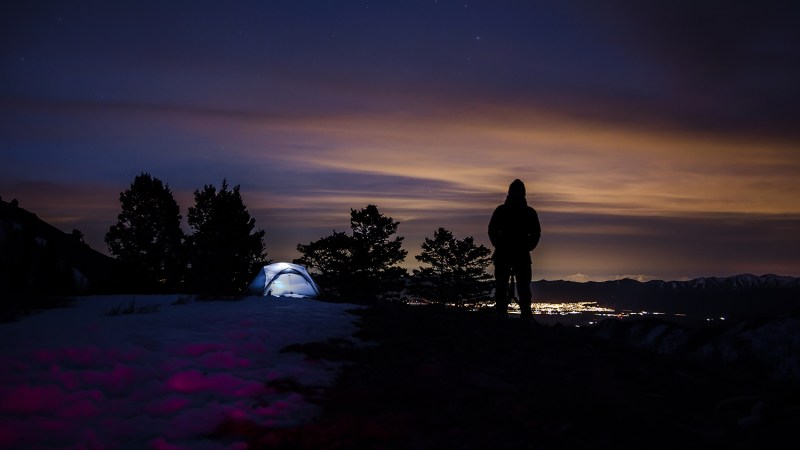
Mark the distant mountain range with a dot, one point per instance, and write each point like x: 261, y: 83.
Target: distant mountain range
x: 733, y: 296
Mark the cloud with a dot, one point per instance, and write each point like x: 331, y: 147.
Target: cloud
x: 623, y: 120
x: 724, y: 67
x: 608, y: 198
x: 638, y: 277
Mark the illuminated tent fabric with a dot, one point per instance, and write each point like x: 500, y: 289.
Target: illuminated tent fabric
x: 284, y: 280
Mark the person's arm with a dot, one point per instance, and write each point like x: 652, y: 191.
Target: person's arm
x: 493, y: 229
x: 535, y: 230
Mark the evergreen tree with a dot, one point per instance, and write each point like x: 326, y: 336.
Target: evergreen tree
x: 147, y: 239
x: 225, y: 250
x: 376, y: 253
x: 362, y: 267
x: 456, y: 271
x: 331, y: 257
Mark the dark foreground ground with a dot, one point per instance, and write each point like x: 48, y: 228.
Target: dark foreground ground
x: 447, y: 379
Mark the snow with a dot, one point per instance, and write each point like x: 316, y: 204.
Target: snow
x: 163, y: 378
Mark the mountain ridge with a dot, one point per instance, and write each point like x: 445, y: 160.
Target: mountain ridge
x: 738, y: 295
x: 38, y: 258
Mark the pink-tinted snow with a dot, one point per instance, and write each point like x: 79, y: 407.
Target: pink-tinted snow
x: 78, y: 378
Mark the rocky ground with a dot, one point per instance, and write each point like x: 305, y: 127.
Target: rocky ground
x: 436, y: 378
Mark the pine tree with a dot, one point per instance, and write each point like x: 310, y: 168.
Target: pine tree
x: 147, y: 239
x: 331, y: 256
x: 225, y: 249
x: 363, y: 267
x: 375, y: 253
x: 456, y: 272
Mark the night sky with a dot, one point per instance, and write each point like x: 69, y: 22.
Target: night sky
x: 655, y: 141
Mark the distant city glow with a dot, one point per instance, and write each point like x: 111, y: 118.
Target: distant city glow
x: 566, y: 308
x: 584, y: 313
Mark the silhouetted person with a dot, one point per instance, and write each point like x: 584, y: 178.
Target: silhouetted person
x: 514, y: 231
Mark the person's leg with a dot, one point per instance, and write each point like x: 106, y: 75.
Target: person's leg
x: 524, y: 276
x: 501, y: 273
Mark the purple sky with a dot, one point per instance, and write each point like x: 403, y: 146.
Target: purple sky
x: 656, y: 142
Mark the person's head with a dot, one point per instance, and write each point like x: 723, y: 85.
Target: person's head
x: 516, y: 189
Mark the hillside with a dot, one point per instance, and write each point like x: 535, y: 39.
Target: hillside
x: 38, y: 259
x: 440, y: 378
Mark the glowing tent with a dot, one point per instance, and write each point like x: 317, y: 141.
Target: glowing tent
x: 284, y: 280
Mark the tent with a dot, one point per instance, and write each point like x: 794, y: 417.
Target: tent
x: 284, y: 280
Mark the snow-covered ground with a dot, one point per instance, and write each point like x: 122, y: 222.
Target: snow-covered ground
x: 79, y: 378
x: 768, y: 345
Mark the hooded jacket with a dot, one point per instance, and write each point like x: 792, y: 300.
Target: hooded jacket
x: 514, y: 228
